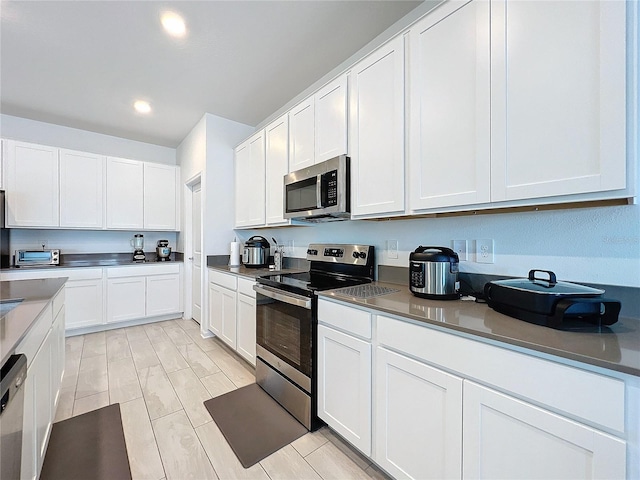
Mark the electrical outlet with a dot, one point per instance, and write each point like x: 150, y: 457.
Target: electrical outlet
x: 460, y: 247
x: 392, y: 248
x: 484, y: 251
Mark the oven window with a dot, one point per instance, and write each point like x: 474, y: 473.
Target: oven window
x: 302, y: 195
x: 285, y: 330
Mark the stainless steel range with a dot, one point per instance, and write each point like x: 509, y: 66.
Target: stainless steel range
x: 287, y: 323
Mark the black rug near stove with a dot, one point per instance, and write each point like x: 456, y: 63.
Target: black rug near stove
x: 254, y: 424
x: 91, y: 445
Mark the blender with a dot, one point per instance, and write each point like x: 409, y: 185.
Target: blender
x: 138, y: 248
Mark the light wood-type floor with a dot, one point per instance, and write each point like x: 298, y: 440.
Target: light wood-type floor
x: 160, y: 373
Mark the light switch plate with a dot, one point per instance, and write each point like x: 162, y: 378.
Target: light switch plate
x: 460, y: 247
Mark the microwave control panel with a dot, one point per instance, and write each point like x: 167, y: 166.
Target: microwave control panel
x: 330, y: 188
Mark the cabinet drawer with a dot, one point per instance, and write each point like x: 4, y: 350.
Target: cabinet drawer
x: 223, y: 279
x: 142, y: 270
x: 245, y: 287
x: 53, y: 272
x: 560, y: 387
x: 348, y: 319
x: 33, y: 340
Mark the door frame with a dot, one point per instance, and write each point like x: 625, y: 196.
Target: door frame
x: 188, y: 245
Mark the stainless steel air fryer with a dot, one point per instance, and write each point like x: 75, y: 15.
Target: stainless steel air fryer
x: 433, y: 273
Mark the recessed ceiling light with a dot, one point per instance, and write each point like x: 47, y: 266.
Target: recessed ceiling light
x: 141, y: 106
x: 173, y: 24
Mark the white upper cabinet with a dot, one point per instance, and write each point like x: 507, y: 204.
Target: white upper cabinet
x: 276, y: 167
x: 125, y: 193
x: 250, y: 182
x: 376, y: 132
x: 302, y: 135
x: 331, y: 120
x: 32, y: 185
x: 318, y: 126
x: 558, y: 98
x: 449, y: 130
x: 82, y: 179
x: 160, y: 196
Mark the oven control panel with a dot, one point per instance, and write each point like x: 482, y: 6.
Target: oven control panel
x: 348, y: 254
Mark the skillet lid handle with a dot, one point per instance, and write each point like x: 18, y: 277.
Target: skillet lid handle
x: 552, y: 276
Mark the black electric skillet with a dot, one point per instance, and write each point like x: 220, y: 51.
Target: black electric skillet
x: 549, y: 302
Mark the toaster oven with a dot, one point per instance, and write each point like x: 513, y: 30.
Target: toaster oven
x: 37, y: 258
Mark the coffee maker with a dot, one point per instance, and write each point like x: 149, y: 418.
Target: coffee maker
x: 138, y: 248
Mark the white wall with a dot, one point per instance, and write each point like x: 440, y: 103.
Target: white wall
x: 208, y: 150
x: 593, y: 245
x: 222, y: 137
x: 23, y: 129
x: 87, y: 241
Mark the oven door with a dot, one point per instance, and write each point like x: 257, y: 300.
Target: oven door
x: 284, y: 333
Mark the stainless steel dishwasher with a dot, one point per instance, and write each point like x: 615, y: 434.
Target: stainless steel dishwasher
x: 12, y: 377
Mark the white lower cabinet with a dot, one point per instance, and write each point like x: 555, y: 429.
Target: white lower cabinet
x: 232, y: 312
x: 42, y: 384
x: 85, y: 303
x: 445, y: 406
x: 135, y: 292
x: 222, y: 306
x: 344, y: 386
x: 125, y: 298
x: 507, y: 438
x: 161, y: 295
x: 246, y: 320
x: 417, y: 418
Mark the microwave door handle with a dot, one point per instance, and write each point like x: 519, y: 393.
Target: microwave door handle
x: 319, y: 191
x: 290, y: 298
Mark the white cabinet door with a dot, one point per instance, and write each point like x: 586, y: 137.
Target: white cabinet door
x: 331, y: 120
x: 125, y: 298
x: 82, y: 179
x: 84, y: 303
x: 506, y: 438
x: 344, y: 386
x: 160, y: 197
x: 57, y: 357
x: 215, y: 309
x: 125, y: 193
x: 376, y: 132
x: 44, y: 398
x: 163, y: 294
x: 449, y: 155
x: 558, y: 98
x: 276, y: 167
x: 246, y: 328
x: 418, y: 419
x: 228, y: 333
x: 301, y: 135
x: 32, y: 185
x: 250, y: 182
x: 222, y: 313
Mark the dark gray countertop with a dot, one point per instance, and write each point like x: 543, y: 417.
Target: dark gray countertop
x: 87, y: 260
x: 36, y: 295
x: 243, y: 271
x: 615, y: 348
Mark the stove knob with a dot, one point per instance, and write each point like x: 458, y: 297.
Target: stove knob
x: 355, y: 255
x: 363, y: 255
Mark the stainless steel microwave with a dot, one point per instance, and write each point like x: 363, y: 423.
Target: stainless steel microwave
x: 320, y: 193
x: 33, y: 258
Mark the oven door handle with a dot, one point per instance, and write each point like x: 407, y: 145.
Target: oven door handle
x: 286, y: 297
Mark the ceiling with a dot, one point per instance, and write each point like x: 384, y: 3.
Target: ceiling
x: 82, y: 64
